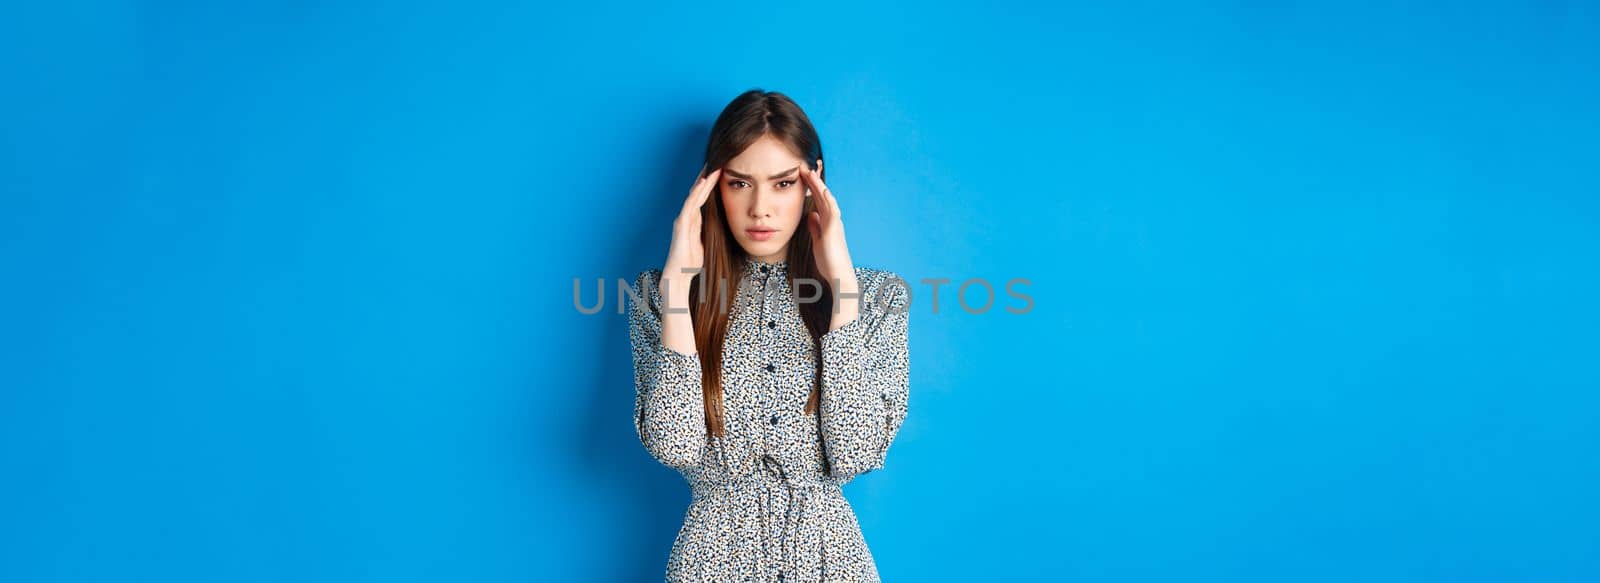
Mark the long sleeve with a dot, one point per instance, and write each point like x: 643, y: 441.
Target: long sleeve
x: 866, y: 377
x: 669, y: 406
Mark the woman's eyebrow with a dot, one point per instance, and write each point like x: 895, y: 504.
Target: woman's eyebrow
x: 737, y: 174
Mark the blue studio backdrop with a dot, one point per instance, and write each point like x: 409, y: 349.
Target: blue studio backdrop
x: 288, y: 286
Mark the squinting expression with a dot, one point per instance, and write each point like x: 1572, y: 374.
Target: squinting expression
x: 764, y: 197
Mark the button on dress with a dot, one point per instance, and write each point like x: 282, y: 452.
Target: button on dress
x: 767, y: 503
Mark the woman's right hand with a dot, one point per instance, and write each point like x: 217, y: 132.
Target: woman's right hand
x: 687, y: 251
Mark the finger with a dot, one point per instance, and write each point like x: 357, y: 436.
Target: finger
x: 699, y: 177
x: 827, y: 194
x: 695, y: 193
x: 832, y: 202
x: 815, y: 184
x: 704, y: 189
x: 813, y: 181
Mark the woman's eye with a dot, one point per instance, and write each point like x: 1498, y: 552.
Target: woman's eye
x: 736, y: 183
x: 785, y: 184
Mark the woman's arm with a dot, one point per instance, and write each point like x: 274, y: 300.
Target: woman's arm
x: 677, y: 328
x: 669, y: 407
x: 866, y: 377
x: 669, y: 404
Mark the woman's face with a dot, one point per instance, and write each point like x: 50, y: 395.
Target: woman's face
x: 764, y: 196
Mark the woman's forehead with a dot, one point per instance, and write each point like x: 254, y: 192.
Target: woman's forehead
x: 764, y: 157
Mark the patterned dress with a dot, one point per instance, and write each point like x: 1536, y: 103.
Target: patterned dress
x: 767, y: 504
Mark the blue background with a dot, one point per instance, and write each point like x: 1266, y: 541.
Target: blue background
x: 288, y: 286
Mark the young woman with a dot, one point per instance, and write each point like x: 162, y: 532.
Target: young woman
x: 769, y: 370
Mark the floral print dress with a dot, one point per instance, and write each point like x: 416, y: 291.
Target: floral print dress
x: 767, y: 503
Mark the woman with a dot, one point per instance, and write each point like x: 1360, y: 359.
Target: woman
x: 785, y: 377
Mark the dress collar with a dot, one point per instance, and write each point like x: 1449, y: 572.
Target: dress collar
x: 756, y: 266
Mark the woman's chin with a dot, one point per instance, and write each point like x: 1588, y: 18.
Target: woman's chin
x: 755, y: 248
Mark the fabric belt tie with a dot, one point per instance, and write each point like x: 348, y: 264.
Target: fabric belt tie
x: 775, y: 485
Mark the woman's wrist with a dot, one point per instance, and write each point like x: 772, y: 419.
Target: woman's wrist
x: 848, y: 311
x: 677, y: 329
x: 846, y: 301
x: 675, y: 288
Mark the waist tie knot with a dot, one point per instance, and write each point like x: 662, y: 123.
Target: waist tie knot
x: 783, y: 498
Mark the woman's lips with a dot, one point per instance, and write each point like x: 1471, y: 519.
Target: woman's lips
x: 761, y: 234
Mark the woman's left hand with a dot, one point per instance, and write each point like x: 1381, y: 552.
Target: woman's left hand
x: 828, y: 245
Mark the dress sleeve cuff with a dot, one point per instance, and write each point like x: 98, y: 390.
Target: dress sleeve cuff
x: 847, y: 340
x: 678, y: 368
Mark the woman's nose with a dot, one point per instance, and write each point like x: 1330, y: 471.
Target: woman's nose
x: 759, y: 203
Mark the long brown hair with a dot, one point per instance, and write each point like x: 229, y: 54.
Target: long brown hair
x: 751, y: 115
